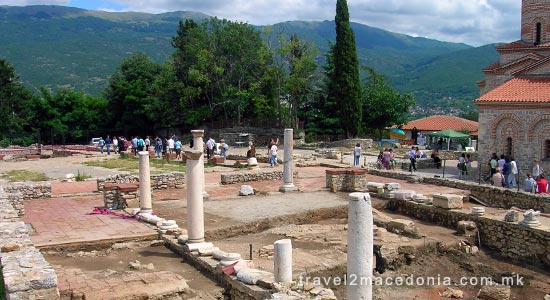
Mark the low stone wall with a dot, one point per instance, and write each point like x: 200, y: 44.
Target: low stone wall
x: 27, y: 275
x: 241, y: 177
x: 350, y: 143
x: 506, y: 198
x: 174, y: 180
x: 30, y: 191
x: 346, y: 180
x: 491, y: 195
x: 510, y: 240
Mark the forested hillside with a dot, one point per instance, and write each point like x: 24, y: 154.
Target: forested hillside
x: 59, y: 47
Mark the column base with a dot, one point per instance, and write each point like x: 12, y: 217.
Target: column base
x: 285, y: 188
x: 195, y: 240
x: 145, y: 210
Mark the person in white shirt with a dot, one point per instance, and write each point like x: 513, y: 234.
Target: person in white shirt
x: 171, y: 145
x: 512, y: 181
x: 536, y: 170
x: 210, y: 144
x: 273, y: 153
x: 412, y: 157
x: 357, y: 154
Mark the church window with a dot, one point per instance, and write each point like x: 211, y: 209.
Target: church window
x: 546, y: 150
x: 508, y: 147
x: 538, y: 34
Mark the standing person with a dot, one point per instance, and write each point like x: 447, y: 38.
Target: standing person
x: 507, y: 172
x: 357, y: 154
x: 542, y: 185
x: 140, y: 144
x: 135, y: 145
x: 115, y: 144
x: 493, y: 164
x: 512, y: 179
x: 501, y: 162
x: 210, y: 144
x: 171, y: 145
x: 121, y: 144
x: 158, y: 147
x: 108, y: 142
x: 412, y: 158
x: 101, y: 144
x: 529, y: 184
x: 536, y: 170
x: 436, y: 159
x: 462, y: 164
x: 393, y: 162
x: 147, y: 143
x: 440, y: 144
x: 177, y: 145
x: 224, y: 148
x: 386, y: 159
x: 273, y: 152
x: 164, y: 147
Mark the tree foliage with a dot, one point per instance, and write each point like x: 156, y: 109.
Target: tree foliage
x: 382, y: 106
x: 345, y: 86
x: 15, y: 106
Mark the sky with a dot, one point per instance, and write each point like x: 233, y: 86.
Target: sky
x: 473, y: 22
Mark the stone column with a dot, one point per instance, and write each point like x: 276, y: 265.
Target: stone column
x: 360, y: 247
x: 288, y: 185
x: 195, y: 185
x: 145, y: 203
x: 282, y: 259
x: 198, y: 144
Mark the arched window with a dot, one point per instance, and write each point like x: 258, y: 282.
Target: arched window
x: 508, y: 147
x: 546, y: 150
x: 538, y: 34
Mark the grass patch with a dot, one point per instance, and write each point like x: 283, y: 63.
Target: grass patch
x: 131, y: 164
x: 81, y: 177
x: 23, y: 175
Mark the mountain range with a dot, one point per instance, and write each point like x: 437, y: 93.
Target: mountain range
x: 62, y: 47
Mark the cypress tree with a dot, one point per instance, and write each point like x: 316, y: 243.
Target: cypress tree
x: 345, y: 87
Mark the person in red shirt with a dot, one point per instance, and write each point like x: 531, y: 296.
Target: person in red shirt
x: 542, y: 185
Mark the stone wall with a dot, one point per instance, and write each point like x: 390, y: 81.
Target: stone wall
x: 27, y: 275
x: 175, y: 180
x: 30, y: 191
x: 510, y: 240
x: 346, y: 180
x: 241, y: 177
x: 350, y: 143
x: 491, y: 195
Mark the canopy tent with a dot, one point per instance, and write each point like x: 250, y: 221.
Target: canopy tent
x: 449, y: 134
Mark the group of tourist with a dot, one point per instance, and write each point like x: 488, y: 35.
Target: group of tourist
x: 535, y: 181
x: 503, y: 171
x: 386, y: 159
x: 161, y: 145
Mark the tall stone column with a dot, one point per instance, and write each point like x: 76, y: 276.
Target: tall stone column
x: 282, y: 260
x: 288, y: 185
x: 360, y: 247
x: 145, y: 203
x: 198, y: 144
x: 195, y: 185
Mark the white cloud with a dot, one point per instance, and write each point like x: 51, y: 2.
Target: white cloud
x: 474, y: 22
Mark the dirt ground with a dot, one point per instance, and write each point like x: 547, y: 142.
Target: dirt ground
x: 315, y: 221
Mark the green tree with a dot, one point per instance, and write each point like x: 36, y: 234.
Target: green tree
x: 130, y: 93
x: 382, y: 106
x: 15, y: 107
x: 472, y: 115
x: 345, y: 87
x: 69, y: 116
x: 222, y: 65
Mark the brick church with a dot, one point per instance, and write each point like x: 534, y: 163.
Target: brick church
x: 514, y: 106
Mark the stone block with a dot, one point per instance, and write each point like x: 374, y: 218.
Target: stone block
x: 246, y: 190
x: 494, y: 292
x: 511, y: 216
x: 392, y: 186
x: 419, y: 198
x: 447, y: 201
x: 401, y: 226
x: 375, y: 187
x: 465, y: 226
x: 404, y: 194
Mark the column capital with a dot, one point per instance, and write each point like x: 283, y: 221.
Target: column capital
x: 193, y: 154
x: 197, y: 132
